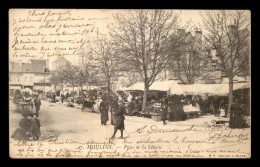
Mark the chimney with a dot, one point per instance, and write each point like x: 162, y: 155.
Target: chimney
x: 198, y: 34
x: 47, y: 63
x: 231, y: 29
x: 181, y: 31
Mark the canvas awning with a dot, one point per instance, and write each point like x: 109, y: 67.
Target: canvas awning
x: 213, y: 89
x: 241, y: 86
x: 159, y: 86
x: 163, y: 85
x: 195, y: 89
x: 15, y: 87
x: 27, y: 90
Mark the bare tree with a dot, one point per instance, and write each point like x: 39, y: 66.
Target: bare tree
x: 69, y: 73
x: 102, y: 52
x: 228, y: 35
x: 132, y: 78
x: 54, y: 79
x: 81, y: 76
x: 61, y: 78
x: 141, y: 36
x: 187, y: 58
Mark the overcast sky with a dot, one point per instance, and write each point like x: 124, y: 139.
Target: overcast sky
x: 185, y: 15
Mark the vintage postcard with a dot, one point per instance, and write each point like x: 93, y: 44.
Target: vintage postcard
x: 103, y: 83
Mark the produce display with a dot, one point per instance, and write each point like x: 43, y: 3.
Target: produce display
x: 190, y: 108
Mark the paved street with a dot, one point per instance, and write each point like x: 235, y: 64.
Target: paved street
x: 70, y: 124
x: 58, y: 120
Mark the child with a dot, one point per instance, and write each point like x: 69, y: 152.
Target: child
x: 35, y: 127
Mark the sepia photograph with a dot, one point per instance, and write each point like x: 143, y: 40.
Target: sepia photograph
x: 129, y: 84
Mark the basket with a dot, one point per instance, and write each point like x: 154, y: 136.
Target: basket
x: 156, y: 117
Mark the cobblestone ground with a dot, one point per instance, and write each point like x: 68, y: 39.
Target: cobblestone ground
x: 58, y: 120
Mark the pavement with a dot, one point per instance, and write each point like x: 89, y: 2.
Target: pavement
x: 60, y: 123
x: 58, y: 120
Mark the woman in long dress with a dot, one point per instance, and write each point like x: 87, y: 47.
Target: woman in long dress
x: 172, y: 110
x: 113, y: 109
x: 130, y: 107
x: 164, y: 110
x: 104, y: 111
x: 236, y: 119
x: 179, y: 111
x: 119, y: 117
x: 23, y: 132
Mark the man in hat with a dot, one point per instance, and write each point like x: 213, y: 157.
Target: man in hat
x: 164, y: 110
x: 119, y: 116
x: 62, y: 97
x: 37, y: 104
x: 35, y: 128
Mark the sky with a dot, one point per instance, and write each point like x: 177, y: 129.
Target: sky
x: 185, y: 15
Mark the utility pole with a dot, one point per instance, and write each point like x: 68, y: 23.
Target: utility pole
x: 44, y: 69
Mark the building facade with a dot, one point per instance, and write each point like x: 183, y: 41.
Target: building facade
x: 59, y: 63
x: 34, y: 75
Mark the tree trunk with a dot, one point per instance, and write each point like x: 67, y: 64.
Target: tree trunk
x: 108, y: 86
x: 146, y: 89
x: 55, y: 89
x: 230, y: 93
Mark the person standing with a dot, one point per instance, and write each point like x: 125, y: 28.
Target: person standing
x: 62, y: 97
x: 164, y: 110
x: 114, y: 107
x: 172, y: 110
x: 54, y: 97
x: 35, y: 128
x: 216, y: 105
x: 131, y: 107
x: 104, y: 111
x: 179, y: 111
x: 67, y: 95
x: 206, y: 105
x: 202, y: 106
x: 119, y: 116
x: 236, y: 120
x: 37, y: 104
x: 23, y: 132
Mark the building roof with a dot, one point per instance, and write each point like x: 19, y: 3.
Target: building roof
x: 60, y: 59
x: 36, y: 66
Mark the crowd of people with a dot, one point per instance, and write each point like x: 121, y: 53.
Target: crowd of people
x: 29, y: 125
x: 172, y: 107
x: 117, y: 109
x: 29, y: 128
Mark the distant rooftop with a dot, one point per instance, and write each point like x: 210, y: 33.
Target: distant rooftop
x: 34, y: 66
x: 60, y: 59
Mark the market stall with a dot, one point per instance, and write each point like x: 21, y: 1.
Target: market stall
x: 172, y: 88
x: 212, y: 89
x: 191, y: 111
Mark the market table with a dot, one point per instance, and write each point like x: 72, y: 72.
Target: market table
x: 191, y: 111
x: 24, y: 107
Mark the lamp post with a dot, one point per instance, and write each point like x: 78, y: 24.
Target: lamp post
x: 44, y: 70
